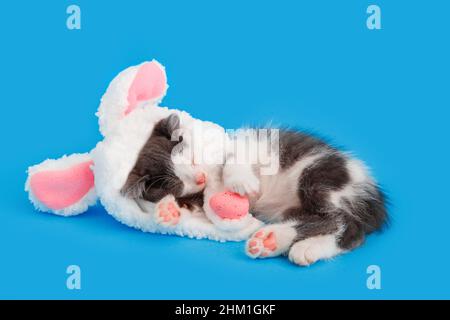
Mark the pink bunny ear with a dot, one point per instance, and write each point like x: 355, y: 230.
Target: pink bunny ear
x: 63, y: 186
x: 149, y: 84
x: 146, y: 82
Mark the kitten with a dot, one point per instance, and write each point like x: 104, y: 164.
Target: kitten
x: 321, y: 202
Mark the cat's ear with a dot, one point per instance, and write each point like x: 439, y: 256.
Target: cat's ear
x: 133, y: 86
x: 170, y: 127
x: 134, y: 187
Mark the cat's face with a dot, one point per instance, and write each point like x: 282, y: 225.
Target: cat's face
x: 155, y: 175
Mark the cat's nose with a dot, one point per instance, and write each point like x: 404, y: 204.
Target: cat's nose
x: 200, y: 178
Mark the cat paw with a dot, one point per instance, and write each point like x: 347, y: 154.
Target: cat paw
x: 310, y: 250
x: 167, y: 212
x: 304, y: 255
x: 262, y: 244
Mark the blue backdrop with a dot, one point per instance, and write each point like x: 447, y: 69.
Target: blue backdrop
x: 382, y: 93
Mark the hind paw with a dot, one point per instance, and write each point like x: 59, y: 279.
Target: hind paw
x: 262, y: 244
x: 310, y: 250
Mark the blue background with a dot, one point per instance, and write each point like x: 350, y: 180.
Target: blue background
x: 383, y: 94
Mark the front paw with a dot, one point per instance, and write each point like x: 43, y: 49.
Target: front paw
x: 167, y: 211
x: 244, y: 183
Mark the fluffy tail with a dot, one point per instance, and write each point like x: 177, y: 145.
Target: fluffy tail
x: 64, y: 186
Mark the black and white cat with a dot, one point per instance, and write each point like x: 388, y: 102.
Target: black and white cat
x: 320, y: 202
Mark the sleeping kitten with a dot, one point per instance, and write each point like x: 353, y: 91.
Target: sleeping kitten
x: 318, y: 204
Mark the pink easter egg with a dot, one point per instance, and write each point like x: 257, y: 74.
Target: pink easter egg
x: 229, y: 205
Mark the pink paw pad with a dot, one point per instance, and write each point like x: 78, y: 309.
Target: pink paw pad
x: 168, y: 213
x: 262, y: 244
x: 229, y: 205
